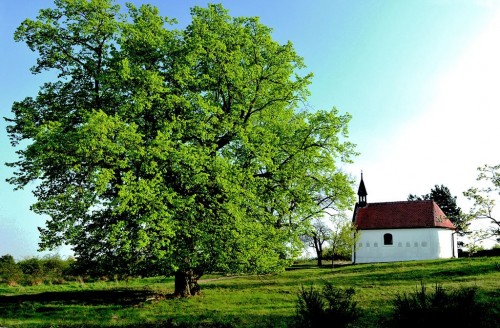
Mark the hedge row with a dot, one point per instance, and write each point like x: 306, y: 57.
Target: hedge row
x: 35, y: 271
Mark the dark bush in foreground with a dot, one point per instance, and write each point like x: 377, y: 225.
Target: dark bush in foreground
x: 456, y: 308
x: 330, y: 307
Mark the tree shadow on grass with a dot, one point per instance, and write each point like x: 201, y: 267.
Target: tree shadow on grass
x: 302, y: 266
x: 167, y: 324
x: 51, y: 306
x: 326, y: 264
x: 121, y: 297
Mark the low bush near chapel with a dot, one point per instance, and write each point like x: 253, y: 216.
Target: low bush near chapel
x: 455, y: 308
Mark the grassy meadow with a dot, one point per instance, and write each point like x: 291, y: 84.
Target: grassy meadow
x: 238, y: 301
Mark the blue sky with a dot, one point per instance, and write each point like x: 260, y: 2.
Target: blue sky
x: 421, y: 79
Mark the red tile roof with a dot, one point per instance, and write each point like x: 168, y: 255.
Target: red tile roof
x: 394, y: 215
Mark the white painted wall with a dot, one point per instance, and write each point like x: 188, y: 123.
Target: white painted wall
x: 448, y: 243
x: 408, y: 244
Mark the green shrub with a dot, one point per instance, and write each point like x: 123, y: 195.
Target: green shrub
x: 330, y: 307
x: 31, y: 266
x: 10, y: 272
x: 341, y: 254
x: 457, y: 308
x: 50, y: 269
x: 55, y: 269
x: 340, y: 305
x: 310, y: 308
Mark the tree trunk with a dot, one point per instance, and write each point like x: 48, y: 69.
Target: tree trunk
x: 333, y: 257
x: 186, y: 283
x: 319, y: 250
x: 320, y: 258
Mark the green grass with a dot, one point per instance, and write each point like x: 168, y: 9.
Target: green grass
x: 243, y: 301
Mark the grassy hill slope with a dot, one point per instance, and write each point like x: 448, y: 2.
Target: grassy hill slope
x: 241, y: 301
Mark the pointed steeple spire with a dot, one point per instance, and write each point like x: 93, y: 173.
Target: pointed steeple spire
x: 362, y: 192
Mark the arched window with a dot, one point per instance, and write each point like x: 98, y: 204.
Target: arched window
x: 387, y: 239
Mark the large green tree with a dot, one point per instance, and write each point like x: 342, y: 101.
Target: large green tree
x: 176, y: 152
x: 448, y: 203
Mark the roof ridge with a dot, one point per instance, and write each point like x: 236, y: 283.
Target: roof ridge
x: 403, y: 201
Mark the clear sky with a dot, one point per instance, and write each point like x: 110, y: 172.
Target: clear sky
x: 421, y: 79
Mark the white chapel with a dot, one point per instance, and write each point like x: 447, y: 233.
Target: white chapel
x: 401, y: 231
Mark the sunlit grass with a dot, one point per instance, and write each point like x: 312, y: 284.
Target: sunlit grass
x: 241, y: 301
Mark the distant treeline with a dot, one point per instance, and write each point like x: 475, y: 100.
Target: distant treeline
x: 49, y: 270
x: 480, y: 253
x: 36, y: 271
x: 53, y: 269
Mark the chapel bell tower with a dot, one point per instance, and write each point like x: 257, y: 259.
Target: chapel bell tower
x: 362, y: 192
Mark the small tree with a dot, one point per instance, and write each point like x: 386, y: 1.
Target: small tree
x: 316, y: 236
x: 343, y: 237
x: 483, y: 198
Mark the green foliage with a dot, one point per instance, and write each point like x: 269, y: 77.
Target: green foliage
x: 484, y: 198
x: 36, y: 271
x: 343, y: 238
x: 10, y: 272
x: 161, y: 150
x: 31, y: 266
x: 310, y: 308
x: 342, y: 254
x: 330, y: 307
x: 458, y: 308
